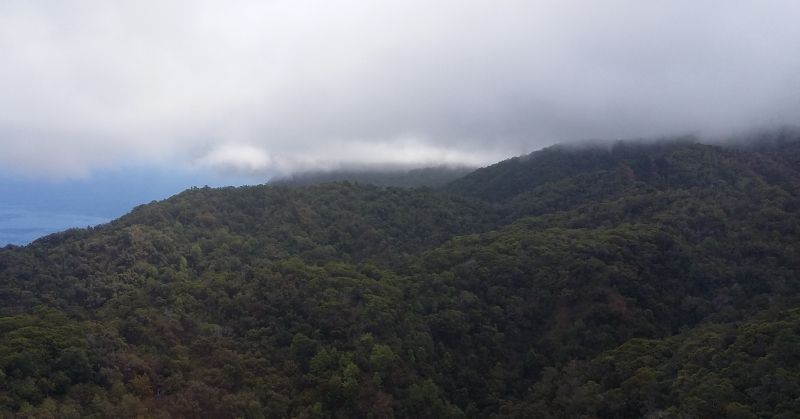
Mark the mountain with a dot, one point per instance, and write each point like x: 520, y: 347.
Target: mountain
x: 429, y: 176
x: 611, y: 280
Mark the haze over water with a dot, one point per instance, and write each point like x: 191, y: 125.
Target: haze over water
x: 20, y: 226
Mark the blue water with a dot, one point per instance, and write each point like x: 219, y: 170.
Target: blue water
x: 21, y: 226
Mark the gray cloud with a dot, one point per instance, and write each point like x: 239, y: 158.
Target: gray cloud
x: 264, y: 87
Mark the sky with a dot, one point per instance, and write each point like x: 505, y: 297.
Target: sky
x: 258, y: 88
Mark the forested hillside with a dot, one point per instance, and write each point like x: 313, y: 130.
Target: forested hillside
x: 429, y: 176
x: 620, y: 280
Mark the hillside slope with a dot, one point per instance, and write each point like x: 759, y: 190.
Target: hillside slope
x: 617, y: 281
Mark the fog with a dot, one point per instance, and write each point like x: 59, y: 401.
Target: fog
x: 261, y: 88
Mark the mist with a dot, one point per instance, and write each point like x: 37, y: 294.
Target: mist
x: 264, y: 88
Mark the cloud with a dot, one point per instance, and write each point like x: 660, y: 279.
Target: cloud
x: 237, y: 158
x: 264, y: 87
x: 336, y: 154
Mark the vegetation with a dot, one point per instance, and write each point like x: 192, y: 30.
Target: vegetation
x: 428, y: 176
x: 629, y: 280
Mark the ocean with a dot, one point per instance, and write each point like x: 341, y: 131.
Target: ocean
x: 20, y: 226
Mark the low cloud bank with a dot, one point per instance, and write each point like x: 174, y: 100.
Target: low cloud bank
x: 275, y: 87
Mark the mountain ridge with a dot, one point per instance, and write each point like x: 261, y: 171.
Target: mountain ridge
x: 433, y: 176
x: 468, y: 300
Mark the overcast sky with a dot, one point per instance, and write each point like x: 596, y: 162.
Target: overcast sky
x: 261, y: 87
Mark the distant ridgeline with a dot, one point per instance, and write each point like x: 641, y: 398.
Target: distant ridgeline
x: 619, y: 280
x: 430, y: 176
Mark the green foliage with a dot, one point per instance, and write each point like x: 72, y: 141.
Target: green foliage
x: 634, y: 280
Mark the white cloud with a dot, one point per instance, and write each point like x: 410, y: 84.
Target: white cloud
x: 334, y: 154
x: 94, y: 83
x: 237, y: 158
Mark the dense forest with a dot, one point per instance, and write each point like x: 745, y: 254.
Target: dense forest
x: 630, y: 279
